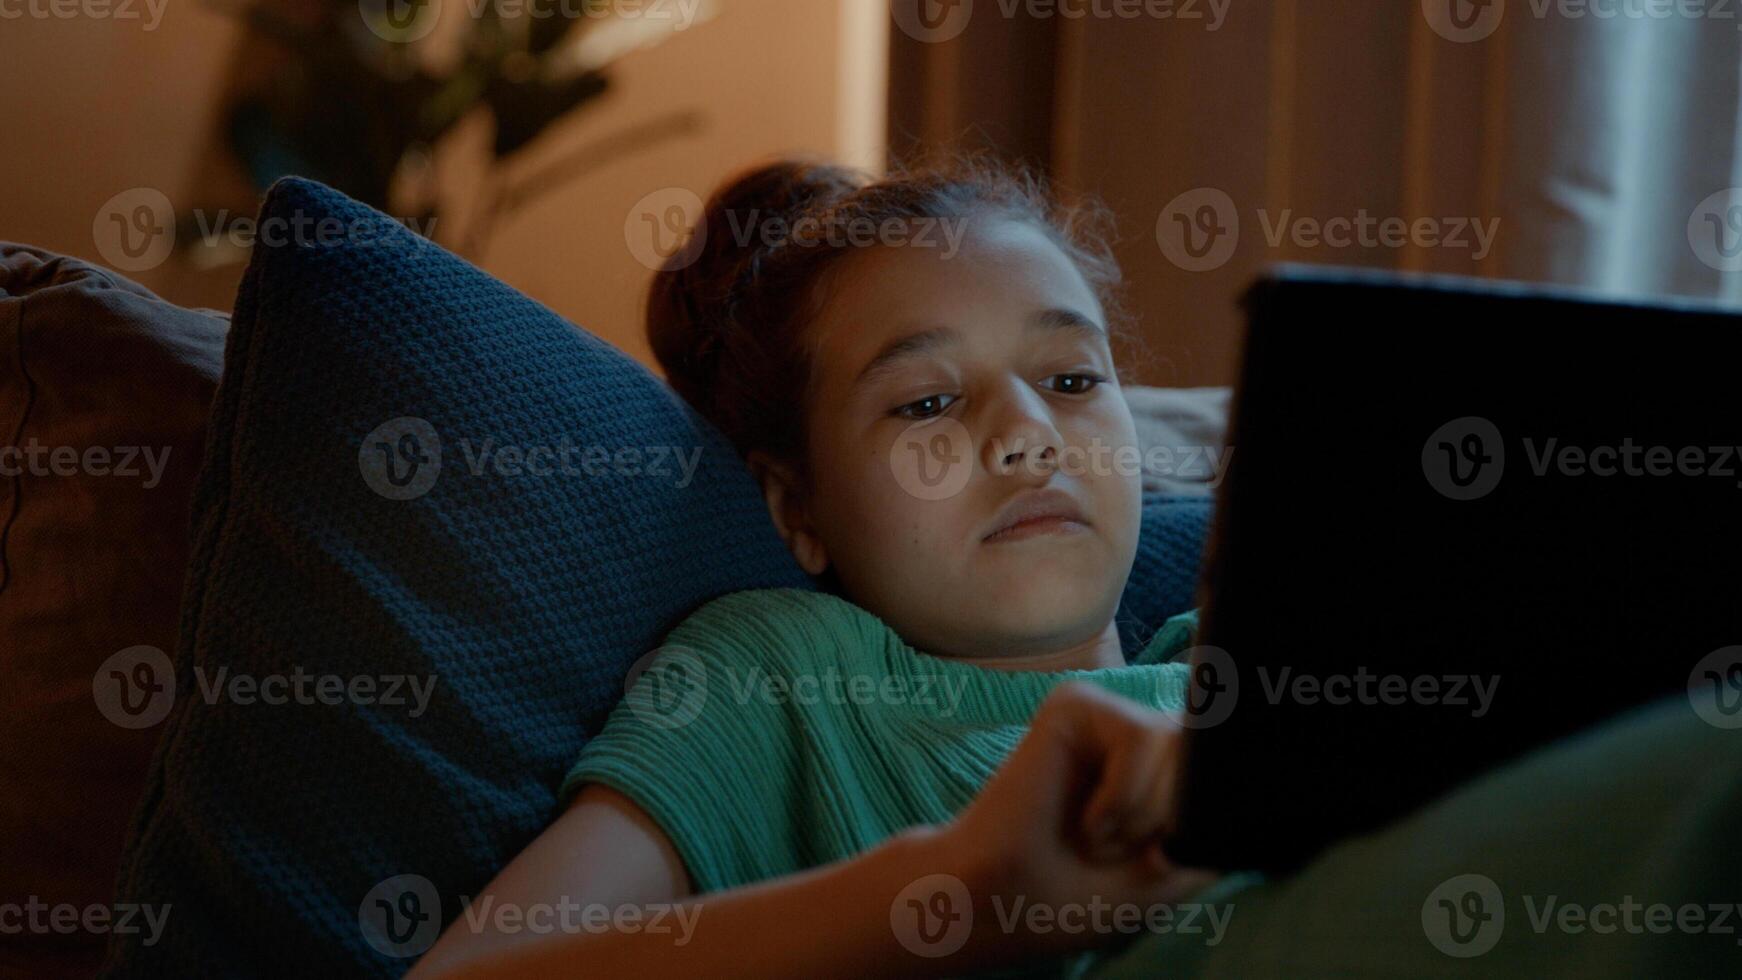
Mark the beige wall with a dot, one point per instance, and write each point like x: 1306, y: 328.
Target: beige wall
x: 101, y: 106
x: 763, y: 77
x: 111, y: 106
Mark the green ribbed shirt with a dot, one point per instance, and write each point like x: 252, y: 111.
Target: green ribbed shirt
x: 780, y: 729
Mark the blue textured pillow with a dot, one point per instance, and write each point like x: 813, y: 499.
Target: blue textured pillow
x: 1164, y: 577
x: 357, y: 521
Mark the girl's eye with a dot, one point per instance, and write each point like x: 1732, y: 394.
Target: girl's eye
x: 926, y: 407
x: 1076, y: 384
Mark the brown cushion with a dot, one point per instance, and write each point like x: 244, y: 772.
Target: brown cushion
x: 91, y: 563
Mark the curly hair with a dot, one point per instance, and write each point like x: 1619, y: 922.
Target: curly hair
x: 726, y: 314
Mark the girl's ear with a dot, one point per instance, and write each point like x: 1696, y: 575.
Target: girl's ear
x: 787, y: 505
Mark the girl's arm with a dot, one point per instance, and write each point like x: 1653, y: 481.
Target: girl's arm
x: 1090, y: 760
x: 828, y: 921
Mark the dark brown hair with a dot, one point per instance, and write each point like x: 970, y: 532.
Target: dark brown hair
x: 726, y: 315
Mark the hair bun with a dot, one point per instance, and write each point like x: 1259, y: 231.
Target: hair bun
x: 694, y: 299
x: 727, y: 316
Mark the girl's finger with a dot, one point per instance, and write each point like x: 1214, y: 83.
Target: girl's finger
x: 1118, y: 812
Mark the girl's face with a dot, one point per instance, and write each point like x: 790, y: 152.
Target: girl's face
x: 947, y: 388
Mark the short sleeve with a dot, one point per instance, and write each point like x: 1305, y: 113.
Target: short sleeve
x: 717, y: 769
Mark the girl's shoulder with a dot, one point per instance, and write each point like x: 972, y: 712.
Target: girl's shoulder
x: 779, y: 610
x: 773, y: 606
x: 779, y: 618
x: 783, y: 625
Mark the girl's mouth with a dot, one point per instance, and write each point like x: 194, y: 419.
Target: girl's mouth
x: 1037, y: 512
x: 1037, y: 527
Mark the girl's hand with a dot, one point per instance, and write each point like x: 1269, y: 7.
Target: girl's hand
x: 1075, y: 816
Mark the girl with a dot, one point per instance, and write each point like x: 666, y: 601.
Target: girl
x: 867, y: 780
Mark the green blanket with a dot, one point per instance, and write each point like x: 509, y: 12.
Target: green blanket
x: 1617, y: 853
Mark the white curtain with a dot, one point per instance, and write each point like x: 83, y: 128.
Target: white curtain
x: 1623, y: 147
x: 1593, y: 139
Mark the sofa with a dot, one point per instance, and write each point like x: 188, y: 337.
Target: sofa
x: 195, y: 499
x: 106, y: 392
x: 92, y: 556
